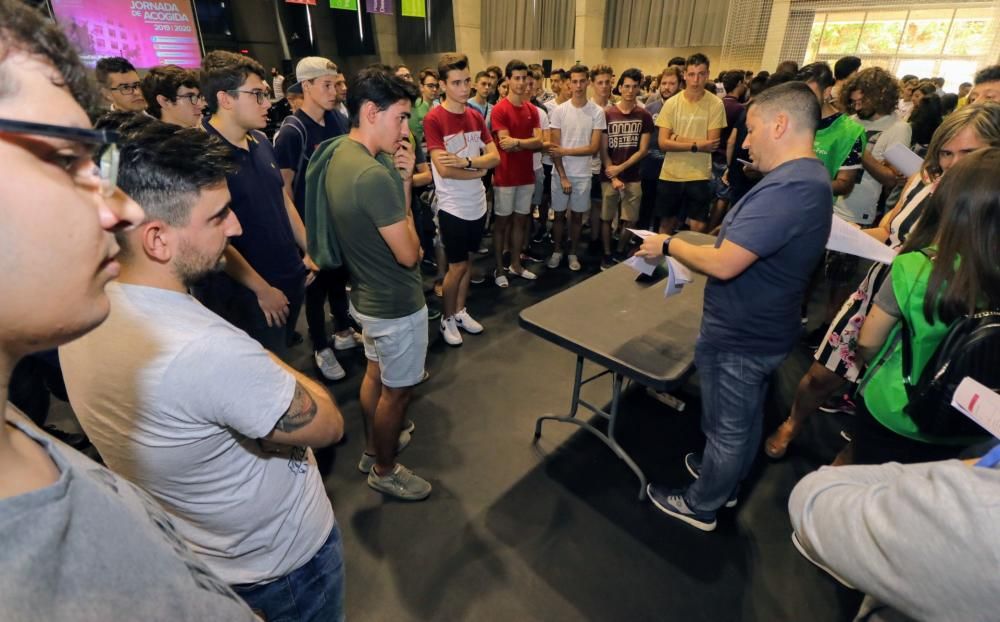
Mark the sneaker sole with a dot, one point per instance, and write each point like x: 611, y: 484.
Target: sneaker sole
x: 340, y: 376
x: 697, y: 524
x: 471, y: 332
x: 837, y: 410
x: 453, y: 345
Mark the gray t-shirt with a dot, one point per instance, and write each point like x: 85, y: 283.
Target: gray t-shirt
x: 92, y: 546
x: 175, y: 398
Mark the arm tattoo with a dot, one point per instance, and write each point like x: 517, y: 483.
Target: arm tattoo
x: 300, y: 412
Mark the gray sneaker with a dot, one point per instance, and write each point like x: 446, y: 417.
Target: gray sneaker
x: 367, y: 461
x: 402, y: 483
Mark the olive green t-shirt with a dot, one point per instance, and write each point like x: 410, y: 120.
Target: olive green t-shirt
x: 366, y: 193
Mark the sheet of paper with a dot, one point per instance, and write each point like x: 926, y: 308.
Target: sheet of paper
x: 642, y: 264
x: 846, y: 238
x: 642, y: 233
x: 903, y: 160
x: 678, y: 276
x: 975, y: 400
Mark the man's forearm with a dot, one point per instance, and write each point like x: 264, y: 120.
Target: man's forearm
x: 240, y: 270
x: 704, y: 259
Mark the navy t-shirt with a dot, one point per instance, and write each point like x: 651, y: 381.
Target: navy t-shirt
x: 288, y: 147
x: 258, y: 201
x: 784, y: 220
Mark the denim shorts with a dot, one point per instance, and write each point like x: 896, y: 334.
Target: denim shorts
x: 578, y: 200
x: 398, y: 345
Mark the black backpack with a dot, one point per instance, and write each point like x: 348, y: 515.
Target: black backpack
x: 971, y: 348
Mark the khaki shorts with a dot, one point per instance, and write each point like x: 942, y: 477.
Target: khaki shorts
x: 630, y: 198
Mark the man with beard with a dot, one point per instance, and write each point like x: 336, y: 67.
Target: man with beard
x: 194, y: 411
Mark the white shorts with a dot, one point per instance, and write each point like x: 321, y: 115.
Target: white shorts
x: 509, y: 200
x: 398, y: 345
x: 578, y: 200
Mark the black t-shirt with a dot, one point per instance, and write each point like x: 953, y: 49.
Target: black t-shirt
x: 288, y: 146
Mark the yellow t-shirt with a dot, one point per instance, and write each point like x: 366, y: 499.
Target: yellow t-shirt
x: 691, y: 120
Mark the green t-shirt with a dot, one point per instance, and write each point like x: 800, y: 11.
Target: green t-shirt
x: 417, y: 113
x: 366, y: 193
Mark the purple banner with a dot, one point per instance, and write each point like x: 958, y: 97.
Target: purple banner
x: 379, y: 6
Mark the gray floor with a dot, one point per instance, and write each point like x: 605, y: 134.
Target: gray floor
x: 553, y: 531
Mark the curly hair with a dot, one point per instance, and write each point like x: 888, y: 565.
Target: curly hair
x: 23, y: 29
x: 877, y: 85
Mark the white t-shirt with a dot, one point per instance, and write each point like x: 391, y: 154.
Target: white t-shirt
x: 175, y: 398
x: 550, y: 107
x: 543, y: 122
x: 860, y: 206
x: 575, y: 126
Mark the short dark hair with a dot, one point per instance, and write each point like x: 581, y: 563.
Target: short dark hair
x: 163, y: 168
x: 24, y: 29
x: 396, y: 68
x: 779, y: 78
x: 494, y: 69
x: 632, y: 73
x: 110, y: 65
x: 793, y: 98
x: 787, y: 66
x: 480, y: 75
x: 226, y: 71
x: 844, y: 67
x: 166, y: 80
x: 427, y: 71
x: 562, y: 73
x: 579, y: 68
x: 696, y: 59
x: 514, y: 65
x: 676, y: 61
x: 988, y: 74
x: 731, y: 80
x: 757, y: 85
x: 380, y: 86
x: 452, y: 61
x: 908, y: 77
x: 601, y: 70
x: 818, y: 72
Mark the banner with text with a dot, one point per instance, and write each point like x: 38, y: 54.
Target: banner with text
x: 379, y: 6
x: 413, y: 8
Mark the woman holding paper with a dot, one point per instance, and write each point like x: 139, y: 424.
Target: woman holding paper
x: 941, y: 274
x: 964, y: 131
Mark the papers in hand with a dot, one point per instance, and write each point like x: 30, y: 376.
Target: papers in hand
x: 903, y: 160
x: 677, y: 273
x: 977, y: 402
x: 846, y: 238
x: 644, y: 265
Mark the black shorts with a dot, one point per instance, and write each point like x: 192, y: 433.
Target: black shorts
x: 683, y: 200
x: 459, y: 236
x: 595, y: 188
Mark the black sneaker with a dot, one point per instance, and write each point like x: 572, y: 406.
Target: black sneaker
x: 693, y: 463
x: 814, y: 339
x: 839, y: 404
x: 607, y: 262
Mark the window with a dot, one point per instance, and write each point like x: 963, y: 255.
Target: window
x: 925, y: 42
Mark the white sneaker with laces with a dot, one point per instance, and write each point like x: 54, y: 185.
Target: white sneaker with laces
x: 449, y: 330
x: 351, y: 340
x: 524, y: 274
x: 328, y: 365
x: 574, y: 263
x: 465, y: 321
x: 554, y: 260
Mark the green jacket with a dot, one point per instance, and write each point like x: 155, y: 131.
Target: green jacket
x: 320, y: 239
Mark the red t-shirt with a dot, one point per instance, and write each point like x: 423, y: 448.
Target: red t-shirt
x: 466, y: 136
x: 624, y: 133
x: 516, y: 169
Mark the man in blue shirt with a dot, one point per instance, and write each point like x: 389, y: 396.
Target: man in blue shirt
x: 316, y: 121
x: 268, y: 261
x: 757, y: 271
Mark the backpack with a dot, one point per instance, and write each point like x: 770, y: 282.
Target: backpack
x: 296, y: 124
x: 971, y: 348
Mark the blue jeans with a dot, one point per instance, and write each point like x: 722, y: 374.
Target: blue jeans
x: 733, y: 388
x: 313, y: 592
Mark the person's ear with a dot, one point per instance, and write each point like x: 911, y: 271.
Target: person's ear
x: 779, y: 125
x: 163, y: 101
x: 369, y: 111
x: 157, y: 239
x: 106, y: 94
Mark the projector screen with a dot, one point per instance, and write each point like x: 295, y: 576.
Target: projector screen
x: 146, y: 32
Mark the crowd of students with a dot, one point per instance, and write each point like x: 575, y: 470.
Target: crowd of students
x: 188, y: 240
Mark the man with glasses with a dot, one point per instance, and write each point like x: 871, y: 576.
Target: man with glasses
x: 428, y: 99
x: 268, y: 260
x: 173, y: 95
x: 64, y: 519
x: 120, y: 84
x: 300, y: 134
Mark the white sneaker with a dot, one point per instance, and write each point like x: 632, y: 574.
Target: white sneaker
x: 467, y: 323
x: 574, y: 263
x: 449, y: 330
x: 351, y: 340
x: 328, y: 365
x: 525, y: 274
x: 500, y: 279
x: 554, y: 260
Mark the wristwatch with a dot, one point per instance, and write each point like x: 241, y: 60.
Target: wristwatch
x: 694, y: 147
x: 666, y: 247
x: 468, y: 162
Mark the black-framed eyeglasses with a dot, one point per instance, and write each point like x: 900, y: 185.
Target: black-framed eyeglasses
x: 125, y: 89
x: 260, y: 95
x: 193, y: 98
x: 100, y: 150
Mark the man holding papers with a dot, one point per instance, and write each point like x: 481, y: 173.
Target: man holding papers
x: 757, y: 273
